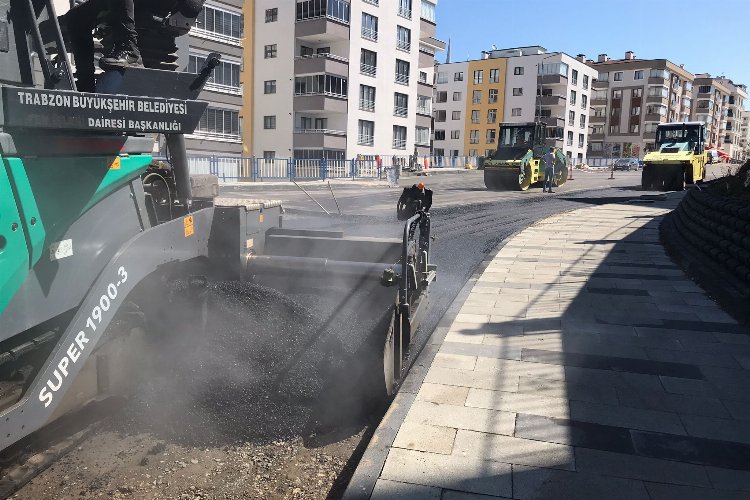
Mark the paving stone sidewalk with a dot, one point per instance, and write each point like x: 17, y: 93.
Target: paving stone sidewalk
x: 582, y: 365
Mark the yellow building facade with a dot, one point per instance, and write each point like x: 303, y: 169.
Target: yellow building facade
x: 485, y: 97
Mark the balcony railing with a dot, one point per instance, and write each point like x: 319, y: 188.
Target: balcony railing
x: 403, y: 45
x: 216, y: 37
x: 326, y: 131
x: 320, y: 92
x: 399, y: 143
x: 400, y: 111
x: 424, y: 110
x: 326, y: 55
x: 369, y: 34
x: 373, y: 2
x: 404, y: 12
x: 217, y: 136
x: 402, y: 79
x: 367, y: 69
x: 365, y: 140
x: 366, y: 105
x: 226, y: 89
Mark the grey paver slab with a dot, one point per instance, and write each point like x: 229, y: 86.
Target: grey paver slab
x: 388, y: 490
x: 447, y: 360
x: 451, y: 472
x: 632, y: 418
x: 688, y: 387
x: 634, y: 467
x: 443, y: 394
x: 462, y: 417
x: 717, y: 428
x: 513, y: 450
x: 469, y: 378
x: 461, y: 495
x: 533, y: 483
x: 659, y: 400
x: 421, y: 437
x: 518, y: 402
x: 658, y: 491
x: 568, y: 389
x: 728, y: 479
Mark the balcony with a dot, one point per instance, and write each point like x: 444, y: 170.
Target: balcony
x: 599, y: 102
x: 366, y: 140
x: 596, y: 137
x: 424, y: 110
x: 321, y: 63
x: 426, y: 28
x: 551, y: 100
x: 320, y: 139
x: 366, y: 105
x: 552, y: 80
x: 373, y: 2
x: 654, y: 117
x: 322, y: 20
x: 402, y: 79
x: 552, y: 121
x: 216, y: 37
x: 400, y: 111
x: 649, y: 135
x: 368, y: 70
x: 599, y: 84
x: 224, y: 89
x: 657, y: 80
x: 598, y: 119
x: 658, y: 99
x: 320, y: 103
x: 399, y: 143
x: 424, y: 120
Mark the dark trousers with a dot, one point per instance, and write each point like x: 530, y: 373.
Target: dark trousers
x: 122, y: 23
x: 549, y: 178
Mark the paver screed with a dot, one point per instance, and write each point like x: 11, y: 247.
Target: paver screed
x: 582, y: 365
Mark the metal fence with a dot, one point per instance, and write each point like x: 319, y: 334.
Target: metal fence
x: 244, y: 169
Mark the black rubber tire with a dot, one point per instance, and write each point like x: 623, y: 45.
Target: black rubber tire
x: 647, y: 182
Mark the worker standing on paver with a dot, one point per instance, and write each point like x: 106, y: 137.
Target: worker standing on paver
x: 549, y: 170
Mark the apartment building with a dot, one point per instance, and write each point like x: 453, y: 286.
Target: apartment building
x: 631, y: 97
x: 339, y: 78
x: 515, y: 85
x: 745, y: 135
x: 730, y: 139
x: 711, y: 98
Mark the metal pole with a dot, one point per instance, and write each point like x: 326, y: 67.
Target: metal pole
x: 313, y: 199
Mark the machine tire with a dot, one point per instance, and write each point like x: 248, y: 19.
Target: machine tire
x: 525, y: 183
x: 647, y: 183
x: 501, y: 180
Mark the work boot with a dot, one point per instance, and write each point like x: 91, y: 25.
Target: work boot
x: 123, y: 57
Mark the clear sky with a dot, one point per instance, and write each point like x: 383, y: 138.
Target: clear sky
x: 707, y: 36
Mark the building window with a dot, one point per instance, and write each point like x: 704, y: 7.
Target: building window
x: 472, y: 152
x: 321, y: 84
x: 422, y: 136
x: 517, y: 91
x: 455, y: 134
x: 570, y: 138
x: 439, y: 152
x: 456, y: 115
x: 494, y: 75
x: 518, y: 70
x: 617, y: 94
x: 492, y: 96
x: 366, y: 98
x: 491, y: 116
x: 490, y: 136
x: 225, y: 77
x: 474, y: 116
x: 403, y: 38
x: 400, y: 104
x: 272, y: 15
x: 441, y: 96
x: 220, y: 22
x: 580, y: 140
x: 366, y: 133
x: 476, y: 97
x: 638, y: 75
x: 269, y: 122
x: 456, y: 96
x: 399, y: 137
x: 440, y: 115
x: 424, y: 105
x: 441, y: 77
x: 585, y: 82
x: 439, y: 135
x: 637, y: 93
x: 635, y: 128
x: 422, y: 77
x: 474, y: 137
x: 582, y: 121
x: 574, y: 77
x: 428, y: 11
x: 571, y: 117
x: 369, y: 27
x: 478, y: 76
x: 368, y: 62
x: 635, y: 111
x: 269, y: 87
x: 489, y: 152
x: 614, y: 129
x: 402, y: 72
x: 618, y: 76
x: 270, y: 51
x: 603, y: 77
x: 572, y: 97
x: 458, y: 76
x: 515, y: 112
x: 704, y: 89
x: 584, y: 101
x: 219, y: 123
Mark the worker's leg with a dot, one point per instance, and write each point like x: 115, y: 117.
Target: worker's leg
x: 549, y: 175
x: 122, y: 14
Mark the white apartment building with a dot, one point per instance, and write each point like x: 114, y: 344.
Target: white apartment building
x: 733, y: 113
x: 449, y: 109
x: 339, y: 78
x: 745, y: 135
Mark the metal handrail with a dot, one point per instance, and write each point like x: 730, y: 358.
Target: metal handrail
x: 324, y: 55
x: 402, y: 79
x: 366, y: 105
x: 367, y: 69
x: 404, y: 12
x: 212, y: 35
x: 366, y: 140
x: 403, y: 45
x: 326, y: 131
x: 400, y: 111
x: 369, y: 34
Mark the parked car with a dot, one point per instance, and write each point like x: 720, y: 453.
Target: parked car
x: 626, y: 164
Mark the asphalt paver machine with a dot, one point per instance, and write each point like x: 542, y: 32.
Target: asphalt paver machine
x: 517, y: 163
x: 679, y: 158
x: 88, y: 217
